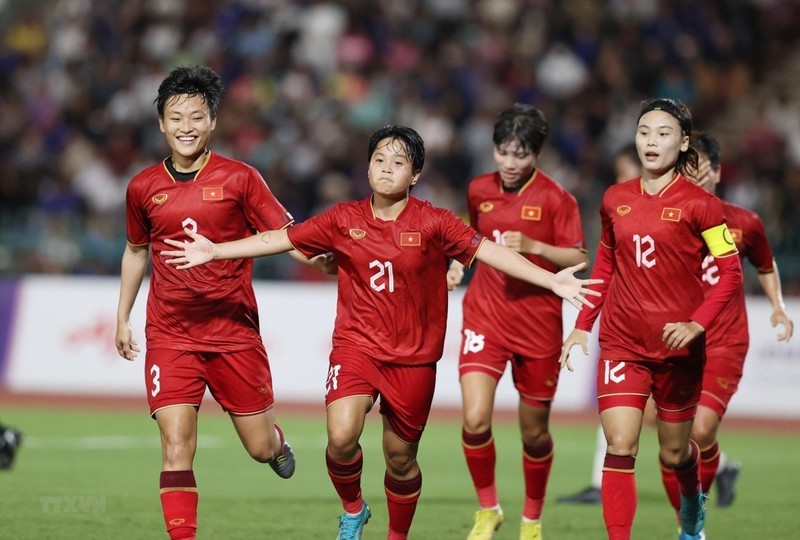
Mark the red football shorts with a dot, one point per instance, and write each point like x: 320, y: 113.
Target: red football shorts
x: 535, y: 378
x: 406, y: 392
x: 240, y: 381
x: 724, y: 366
x: 674, y: 383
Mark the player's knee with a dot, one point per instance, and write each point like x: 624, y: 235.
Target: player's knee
x: 400, y: 464
x: 704, y: 433
x: 620, y: 445
x: 177, y: 451
x: 535, y: 435
x: 341, y: 444
x: 476, y: 422
x: 673, y: 456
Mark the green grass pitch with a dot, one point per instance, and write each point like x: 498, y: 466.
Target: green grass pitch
x: 83, y: 474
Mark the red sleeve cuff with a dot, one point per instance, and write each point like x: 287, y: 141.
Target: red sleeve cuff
x: 730, y: 279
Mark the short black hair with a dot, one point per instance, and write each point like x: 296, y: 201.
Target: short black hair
x: 193, y: 81
x: 707, y: 144
x: 524, y: 124
x: 410, y: 138
x: 687, y: 161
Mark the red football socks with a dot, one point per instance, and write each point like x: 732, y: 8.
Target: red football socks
x: 179, y: 503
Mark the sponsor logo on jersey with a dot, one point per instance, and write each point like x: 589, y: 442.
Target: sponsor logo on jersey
x: 358, y: 234
x: 531, y: 213
x: 624, y: 209
x: 485, y: 206
x: 161, y: 198
x: 413, y: 238
x: 212, y: 193
x: 671, y: 214
x: 722, y: 383
x: 737, y: 235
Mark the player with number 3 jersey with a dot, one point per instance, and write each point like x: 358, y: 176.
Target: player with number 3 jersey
x: 656, y: 231
x: 202, y: 326
x: 392, y: 251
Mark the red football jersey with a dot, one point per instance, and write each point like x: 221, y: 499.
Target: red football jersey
x: 730, y: 327
x: 658, y: 251
x: 516, y: 313
x: 212, y: 307
x: 392, y: 302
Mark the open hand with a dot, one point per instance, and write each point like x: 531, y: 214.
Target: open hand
x: 572, y: 289
x: 191, y: 253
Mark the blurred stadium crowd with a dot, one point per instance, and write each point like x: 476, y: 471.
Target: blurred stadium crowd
x: 308, y: 81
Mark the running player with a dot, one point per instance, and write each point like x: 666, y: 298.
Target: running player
x: 393, y: 251
x: 656, y: 231
x: 508, y: 321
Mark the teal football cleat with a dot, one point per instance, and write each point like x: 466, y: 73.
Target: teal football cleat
x: 350, y: 527
x: 693, y: 514
x: 699, y: 536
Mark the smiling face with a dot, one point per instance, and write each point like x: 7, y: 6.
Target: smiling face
x: 659, y: 142
x: 515, y: 163
x: 390, y: 170
x: 187, y: 124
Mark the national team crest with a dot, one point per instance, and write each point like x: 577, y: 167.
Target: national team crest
x: 358, y: 234
x: 212, y: 193
x: 161, y: 198
x: 485, y: 207
x: 624, y: 209
x: 531, y: 213
x: 413, y: 238
x: 737, y: 235
x: 671, y: 214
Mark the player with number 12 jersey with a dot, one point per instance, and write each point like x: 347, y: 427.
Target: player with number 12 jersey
x: 658, y: 247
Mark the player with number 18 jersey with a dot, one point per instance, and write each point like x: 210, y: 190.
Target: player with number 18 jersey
x: 515, y: 313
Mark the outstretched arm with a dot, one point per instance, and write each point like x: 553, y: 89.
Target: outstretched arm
x: 203, y: 250
x: 564, y: 283
x: 771, y: 283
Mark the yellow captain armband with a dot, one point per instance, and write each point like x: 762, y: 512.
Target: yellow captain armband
x: 719, y: 240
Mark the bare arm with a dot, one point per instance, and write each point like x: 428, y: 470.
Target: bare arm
x: 771, y: 283
x: 203, y: 250
x: 564, y: 284
x: 560, y: 256
x: 134, y: 266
